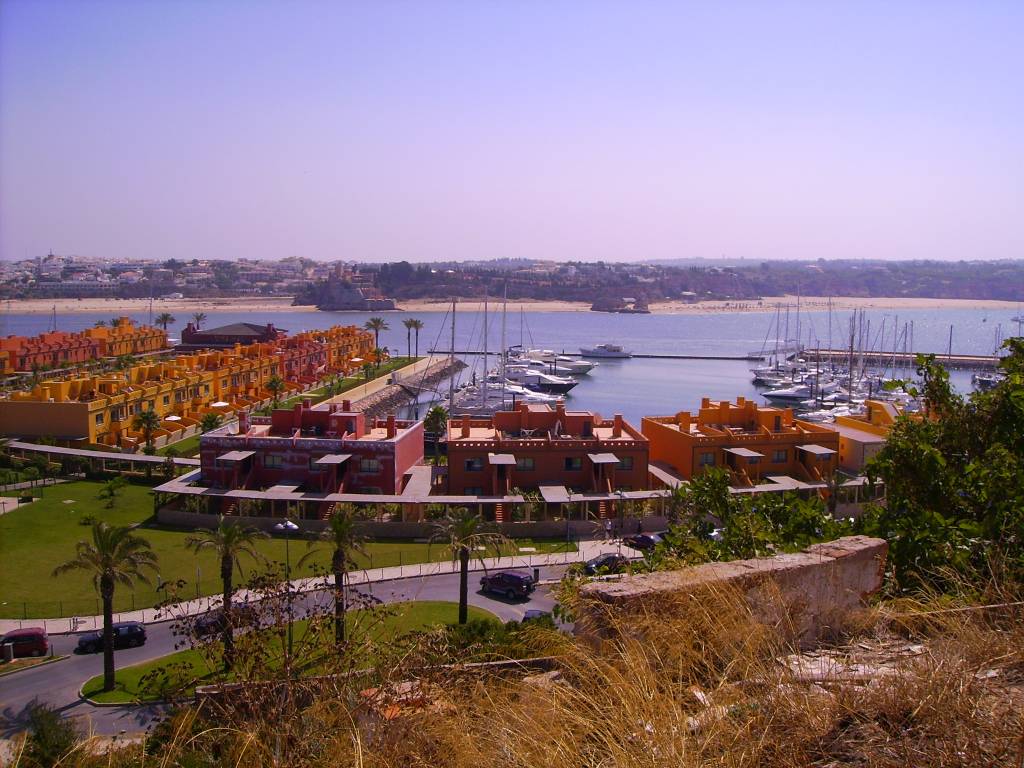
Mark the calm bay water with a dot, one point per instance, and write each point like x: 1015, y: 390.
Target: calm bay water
x: 634, y: 387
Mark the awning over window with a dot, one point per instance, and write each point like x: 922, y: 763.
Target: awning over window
x: 603, y: 458
x: 498, y: 459
x: 746, y: 453
x: 817, y: 450
x: 333, y: 458
x: 236, y: 455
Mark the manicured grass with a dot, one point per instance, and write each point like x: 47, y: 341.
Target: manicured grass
x: 7, y: 667
x: 37, y: 537
x: 408, y: 617
x: 186, y: 448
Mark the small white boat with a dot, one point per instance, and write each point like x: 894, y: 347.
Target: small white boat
x: 605, y: 351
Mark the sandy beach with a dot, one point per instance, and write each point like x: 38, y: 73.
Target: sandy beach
x: 265, y: 305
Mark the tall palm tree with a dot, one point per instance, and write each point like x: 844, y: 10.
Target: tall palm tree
x: 408, y: 323
x: 275, y: 384
x: 417, y: 326
x: 199, y: 318
x: 115, y: 556
x: 463, y: 532
x: 376, y: 324
x: 164, y: 319
x: 147, y: 422
x: 343, y: 538
x: 229, y: 541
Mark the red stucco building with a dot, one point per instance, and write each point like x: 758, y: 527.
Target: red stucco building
x: 333, y: 450
x: 536, y: 445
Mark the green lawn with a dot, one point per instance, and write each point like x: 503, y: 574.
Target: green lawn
x: 38, y: 536
x: 186, y: 448
x: 409, y: 617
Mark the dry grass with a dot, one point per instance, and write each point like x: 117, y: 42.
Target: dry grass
x: 693, y: 683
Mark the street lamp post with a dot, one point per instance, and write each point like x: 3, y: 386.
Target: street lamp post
x: 287, y: 527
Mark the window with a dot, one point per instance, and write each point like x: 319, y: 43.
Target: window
x: 313, y: 466
x: 524, y: 464
x: 751, y: 460
x: 273, y: 462
x: 780, y: 457
x: 626, y: 463
x: 370, y: 466
x: 573, y: 463
x: 473, y: 491
x: 474, y: 465
x: 707, y: 459
x: 167, y: 399
x: 99, y: 418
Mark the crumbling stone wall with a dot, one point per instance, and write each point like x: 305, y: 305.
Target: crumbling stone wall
x: 805, y: 595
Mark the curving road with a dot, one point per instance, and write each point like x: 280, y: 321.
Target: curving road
x: 57, y: 684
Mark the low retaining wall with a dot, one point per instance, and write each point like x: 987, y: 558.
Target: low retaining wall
x: 540, y: 529
x: 807, y: 595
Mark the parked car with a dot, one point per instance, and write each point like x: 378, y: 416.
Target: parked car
x: 642, y: 541
x: 127, y: 634
x: 29, y: 641
x: 610, y: 562
x: 212, y: 622
x: 511, y: 584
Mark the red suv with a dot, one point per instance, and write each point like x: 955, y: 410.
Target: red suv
x: 30, y: 641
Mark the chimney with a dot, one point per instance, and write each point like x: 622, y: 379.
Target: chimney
x: 705, y: 402
x: 465, y: 425
x: 297, y: 416
x: 391, y: 426
x: 346, y: 406
x: 617, y: 425
x: 307, y: 403
x: 560, y: 409
x: 243, y: 422
x: 740, y: 401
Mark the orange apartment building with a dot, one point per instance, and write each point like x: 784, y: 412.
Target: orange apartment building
x: 100, y: 408
x: 754, y: 444
x: 536, y: 445
x: 60, y: 349
x: 861, y: 437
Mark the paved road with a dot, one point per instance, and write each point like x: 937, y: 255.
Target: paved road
x: 58, y: 684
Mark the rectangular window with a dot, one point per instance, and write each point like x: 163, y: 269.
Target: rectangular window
x: 524, y: 464
x: 780, y: 457
x: 474, y: 465
x: 369, y: 465
x: 626, y: 463
x: 707, y: 459
x: 99, y: 418
x: 271, y: 461
x: 313, y: 466
x: 573, y: 463
x: 473, y: 491
x: 167, y: 399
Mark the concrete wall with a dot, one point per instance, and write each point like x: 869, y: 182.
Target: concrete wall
x: 806, y: 595
x: 547, y: 529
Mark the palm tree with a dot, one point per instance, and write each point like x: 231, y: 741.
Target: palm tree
x: 463, y: 533
x: 115, y: 556
x: 436, y: 420
x: 276, y: 386
x: 111, y: 489
x: 376, y: 324
x: 209, y: 421
x: 408, y: 323
x: 147, y: 422
x: 198, y: 319
x: 229, y: 541
x: 164, y: 319
x: 380, y: 355
x: 344, y: 540
x: 367, y: 370
x: 416, y: 326
x: 100, y: 324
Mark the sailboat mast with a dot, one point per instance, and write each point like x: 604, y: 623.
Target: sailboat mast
x: 483, y: 377
x: 451, y: 360
x: 504, y: 348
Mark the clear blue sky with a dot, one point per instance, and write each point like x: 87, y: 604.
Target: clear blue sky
x: 424, y: 130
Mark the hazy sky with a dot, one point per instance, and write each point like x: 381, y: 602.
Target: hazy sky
x: 524, y: 128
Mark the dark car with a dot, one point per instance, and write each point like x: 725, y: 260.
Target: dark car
x: 610, y: 562
x: 642, y: 541
x: 127, y: 634
x: 511, y: 584
x: 212, y: 622
x: 29, y: 641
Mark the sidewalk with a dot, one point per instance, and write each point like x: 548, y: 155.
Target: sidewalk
x: 586, y: 550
